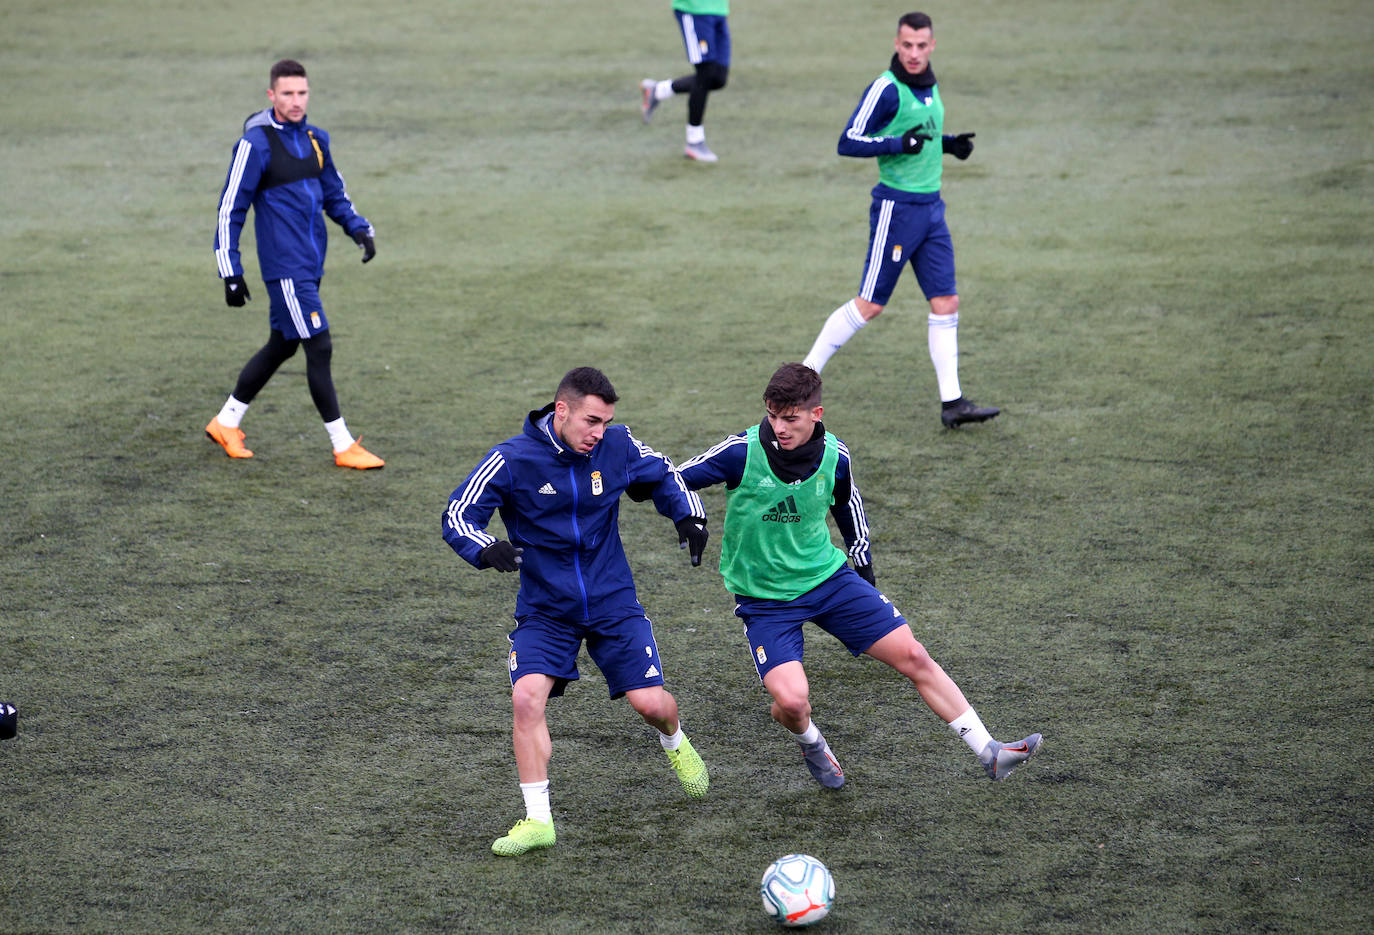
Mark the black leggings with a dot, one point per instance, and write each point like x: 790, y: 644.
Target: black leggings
x: 277, y: 350
x: 710, y: 76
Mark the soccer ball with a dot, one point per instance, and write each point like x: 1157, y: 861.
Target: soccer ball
x: 797, y: 890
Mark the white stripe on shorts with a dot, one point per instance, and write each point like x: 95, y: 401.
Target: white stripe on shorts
x: 293, y: 307
x: 878, y: 251
x: 689, y: 37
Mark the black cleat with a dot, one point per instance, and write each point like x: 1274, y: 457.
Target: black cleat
x: 956, y: 412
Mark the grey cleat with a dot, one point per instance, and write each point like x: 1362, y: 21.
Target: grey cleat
x: 699, y: 152
x: 999, y: 759
x: 647, y: 102
x: 822, y: 763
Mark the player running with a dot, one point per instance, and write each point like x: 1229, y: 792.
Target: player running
x: 782, y: 476
x: 557, y: 486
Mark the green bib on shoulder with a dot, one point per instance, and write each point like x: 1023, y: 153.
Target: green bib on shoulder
x: 916, y: 172
x: 776, y: 543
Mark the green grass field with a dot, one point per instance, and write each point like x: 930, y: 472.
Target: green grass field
x: 264, y: 696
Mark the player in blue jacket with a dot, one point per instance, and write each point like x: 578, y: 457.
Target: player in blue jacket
x: 283, y: 168
x: 557, y: 486
x: 782, y: 477
x: 900, y: 124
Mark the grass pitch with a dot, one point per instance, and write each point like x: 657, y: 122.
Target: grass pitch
x: 264, y: 696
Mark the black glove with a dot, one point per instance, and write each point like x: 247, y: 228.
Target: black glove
x: 692, y: 536
x: 502, y: 556
x: 363, y: 239
x: 912, y: 141
x: 866, y: 572
x: 961, y: 146
x: 235, y: 291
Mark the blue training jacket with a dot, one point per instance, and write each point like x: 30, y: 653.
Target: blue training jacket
x: 563, y: 509
x: 287, y: 200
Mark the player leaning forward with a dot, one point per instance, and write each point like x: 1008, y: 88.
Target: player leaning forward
x: 557, y: 486
x: 782, y: 476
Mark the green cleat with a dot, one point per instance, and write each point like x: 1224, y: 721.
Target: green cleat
x: 691, y: 771
x: 528, y: 834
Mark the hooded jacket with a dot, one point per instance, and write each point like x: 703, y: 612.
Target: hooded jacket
x: 563, y: 509
x: 285, y: 171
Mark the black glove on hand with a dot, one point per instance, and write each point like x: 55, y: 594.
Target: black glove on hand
x: 912, y: 141
x: 235, y: 291
x: 502, y: 556
x: 866, y: 572
x: 364, y: 240
x: 960, y: 146
x: 692, y: 536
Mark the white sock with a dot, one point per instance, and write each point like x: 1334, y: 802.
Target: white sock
x: 664, y: 90
x: 537, y: 800
x: 671, y: 741
x: 231, y: 414
x: 942, y: 334
x: 969, y: 727
x: 810, y: 735
x: 695, y: 134
x: 338, y: 435
x: 842, y: 325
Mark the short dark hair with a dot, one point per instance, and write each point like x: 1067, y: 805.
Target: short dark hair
x: 585, y: 381
x: 793, y: 386
x: 286, y: 68
x: 915, y: 21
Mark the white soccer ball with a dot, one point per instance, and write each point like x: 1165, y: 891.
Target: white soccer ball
x: 797, y: 890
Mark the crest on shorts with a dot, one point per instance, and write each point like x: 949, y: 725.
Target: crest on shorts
x: 512, y: 660
x: 761, y: 656
x: 897, y: 253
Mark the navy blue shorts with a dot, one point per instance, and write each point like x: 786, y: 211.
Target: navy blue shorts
x: 296, y: 310
x: 901, y: 233
x: 706, y: 38
x: 624, y: 651
x: 844, y: 605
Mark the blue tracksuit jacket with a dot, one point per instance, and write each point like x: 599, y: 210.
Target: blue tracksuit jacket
x: 563, y: 509
x: 287, y: 219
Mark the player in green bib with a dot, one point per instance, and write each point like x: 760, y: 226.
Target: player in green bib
x: 705, y: 27
x: 782, y: 477
x: 899, y: 123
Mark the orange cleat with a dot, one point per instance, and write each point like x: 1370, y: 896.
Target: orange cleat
x: 356, y: 456
x: 231, y: 440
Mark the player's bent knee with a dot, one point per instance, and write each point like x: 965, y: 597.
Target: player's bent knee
x: 713, y: 75
x: 652, y: 705
x: 320, y: 347
x: 944, y: 305
x: 528, y: 702
x: 869, y: 310
x: 791, y: 708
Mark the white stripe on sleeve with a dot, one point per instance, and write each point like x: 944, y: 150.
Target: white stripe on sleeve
x: 470, y: 495
x: 226, y: 207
